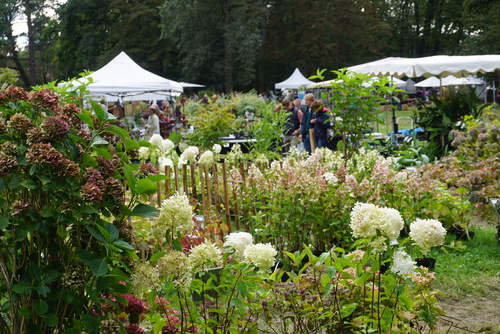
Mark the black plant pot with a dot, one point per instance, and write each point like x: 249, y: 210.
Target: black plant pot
x: 464, y: 235
x: 428, y: 262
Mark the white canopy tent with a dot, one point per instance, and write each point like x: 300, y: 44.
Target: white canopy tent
x: 325, y: 84
x: 122, y: 77
x: 296, y: 80
x: 450, y: 81
x: 430, y: 66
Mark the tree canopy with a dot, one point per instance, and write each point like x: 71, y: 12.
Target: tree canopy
x: 240, y: 44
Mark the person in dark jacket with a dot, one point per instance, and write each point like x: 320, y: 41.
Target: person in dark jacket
x: 321, y: 124
x: 292, y: 125
x: 307, y: 116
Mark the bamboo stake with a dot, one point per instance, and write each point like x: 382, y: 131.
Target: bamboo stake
x: 209, y: 186
x: 312, y: 139
x: 176, y: 177
x: 168, y: 182
x: 216, y: 189
x: 185, y: 180
x: 226, y: 197
x: 203, y: 192
x: 193, y: 181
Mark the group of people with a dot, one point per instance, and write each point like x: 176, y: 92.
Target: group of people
x: 301, y: 119
x: 161, y: 116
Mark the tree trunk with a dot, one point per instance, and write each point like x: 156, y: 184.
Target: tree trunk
x: 228, y: 49
x: 31, y: 42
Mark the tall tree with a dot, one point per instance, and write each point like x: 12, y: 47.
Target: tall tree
x: 136, y: 30
x: 322, y: 34
x: 84, y: 28
x: 218, y: 40
x: 33, y: 11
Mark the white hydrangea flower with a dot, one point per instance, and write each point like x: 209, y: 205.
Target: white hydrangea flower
x: 163, y: 162
x: 330, y: 178
x: 189, y: 154
x: 207, y: 158
x: 167, y: 145
x: 427, y: 233
x: 205, y: 256
x: 176, y: 215
x: 144, y: 278
x: 156, y: 140
x: 262, y: 256
x: 402, y: 264
x: 176, y: 267
x: 367, y: 219
x: 239, y: 241
x: 217, y: 148
x: 143, y: 153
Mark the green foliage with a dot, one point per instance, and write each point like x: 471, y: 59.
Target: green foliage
x: 267, y: 131
x: 211, y: 122
x: 446, y: 114
x: 356, y: 107
x: 8, y: 76
x: 64, y: 218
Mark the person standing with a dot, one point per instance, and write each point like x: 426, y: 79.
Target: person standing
x: 321, y: 124
x: 153, y: 124
x: 307, y: 116
x: 292, y: 126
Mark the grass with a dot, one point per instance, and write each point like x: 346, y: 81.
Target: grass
x: 473, y: 271
x: 470, y: 282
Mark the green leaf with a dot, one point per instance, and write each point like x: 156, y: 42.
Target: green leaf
x: 98, y: 110
x: 145, y: 211
x: 26, y: 312
x: 50, y: 319
x: 104, y: 237
x: 176, y: 245
x: 22, y: 289
x: 48, y: 211
x: 98, y: 140
x: 99, y: 267
x: 113, y: 231
x: 4, y: 222
x: 158, y: 178
x: 242, y: 289
x: 103, y: 152
x: 41, y: 307
x: 29, y: 184
x: 156, y: 257
x: 123, y: 245
x: 116, y: 272
x: 129, y: 176
x: 131, y: 144
x: 346, y: 310
x: 145, y: 187
x: 86, y: 118
x: 85, y: 256
x: 117, y: 131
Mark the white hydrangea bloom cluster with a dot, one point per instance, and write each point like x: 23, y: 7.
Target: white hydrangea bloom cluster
x: 204, y: 256
x: 143, y: 153
x: 144, y: 278
x: 262, y: 256
x: 217, y: 148
x: 189, y: 155
x: 156, y: 140
x: 167, y: 145
x: 330, y: 178
x: 176, y: 266
x: 261, y: 159
x: 176, y: 215
x: 207, y: 158
x: 239, y: 241
x: 367, y: 219
x: 427, y: 233
x: 235, y: 155
x: 163, y: 162
x: 402, y: 264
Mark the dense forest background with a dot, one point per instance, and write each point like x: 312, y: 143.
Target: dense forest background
x: 237, y: 44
